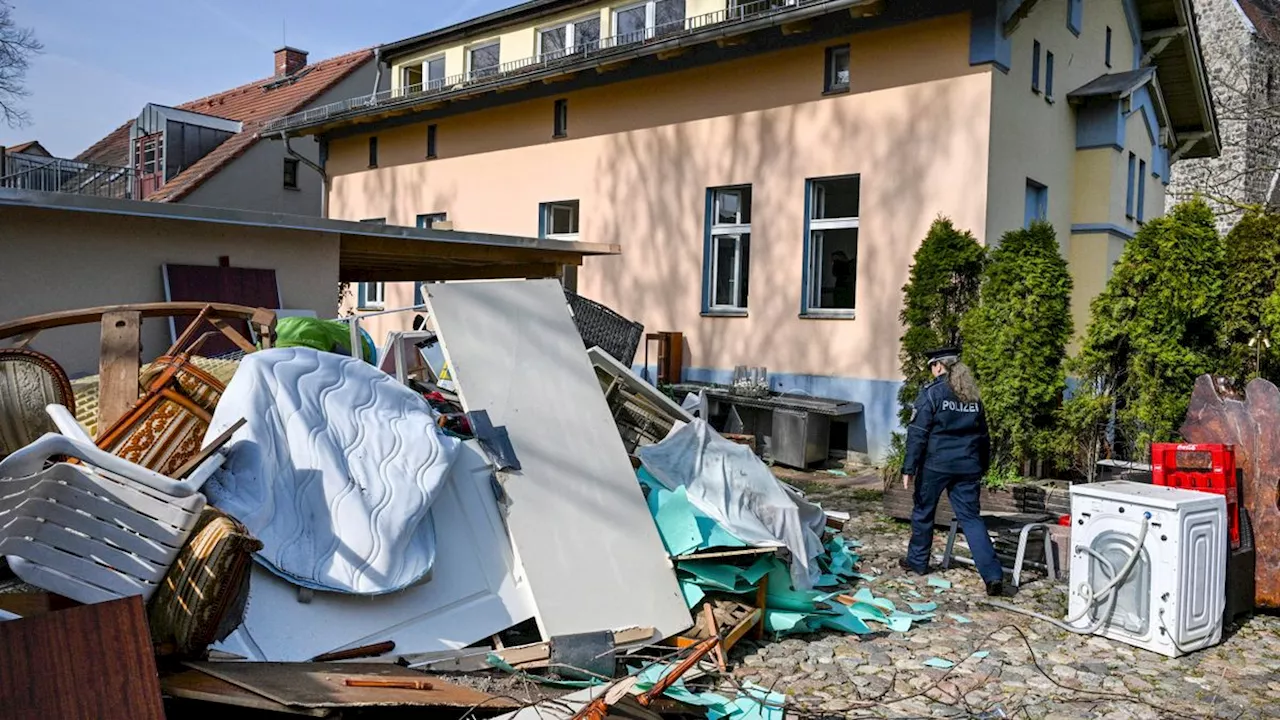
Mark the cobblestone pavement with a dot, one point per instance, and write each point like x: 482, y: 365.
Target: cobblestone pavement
x: 1031, y: 669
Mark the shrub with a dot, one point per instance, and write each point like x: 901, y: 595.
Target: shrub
x: 1015, y: 340
x: 1252, y: 250
x: 945, y: 274
x: 1152, y: 331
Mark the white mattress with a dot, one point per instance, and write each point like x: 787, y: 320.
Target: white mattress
x: 335, y: 470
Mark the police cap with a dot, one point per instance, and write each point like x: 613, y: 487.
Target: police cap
x: 945, y: 353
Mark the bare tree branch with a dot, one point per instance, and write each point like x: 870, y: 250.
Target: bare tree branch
x: 17, y: 45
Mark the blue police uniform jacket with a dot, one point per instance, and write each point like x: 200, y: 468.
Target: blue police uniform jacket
x: 946, y: 435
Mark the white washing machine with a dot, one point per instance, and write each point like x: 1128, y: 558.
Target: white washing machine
x: 1171, y: 600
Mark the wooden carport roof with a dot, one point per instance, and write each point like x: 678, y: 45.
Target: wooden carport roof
x: 367, y: 251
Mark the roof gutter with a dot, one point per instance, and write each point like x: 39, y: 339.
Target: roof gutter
x: 701, y: 37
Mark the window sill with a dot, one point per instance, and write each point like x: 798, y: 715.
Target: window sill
x: 371, y: 308
x: 293, y: 188
x: 433, y: 157
x: 829, y: 315
x: 373, y: 167
x: 837, y: 90
x: 725, y: 313
x: 1048, y: 99
x: 562, y: 136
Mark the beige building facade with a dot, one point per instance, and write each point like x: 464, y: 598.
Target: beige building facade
x: 769, y: 169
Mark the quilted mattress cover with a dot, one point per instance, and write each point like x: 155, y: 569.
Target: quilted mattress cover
x: 335, y: 470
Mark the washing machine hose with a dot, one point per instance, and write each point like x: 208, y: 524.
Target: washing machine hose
x: 1091, y: 598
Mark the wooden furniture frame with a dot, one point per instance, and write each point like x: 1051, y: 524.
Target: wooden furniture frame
x: 120, y: 360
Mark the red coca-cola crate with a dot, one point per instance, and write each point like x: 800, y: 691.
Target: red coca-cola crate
x: 1207, y: 467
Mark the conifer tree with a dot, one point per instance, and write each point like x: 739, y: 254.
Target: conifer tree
x: 1152, y: 331
x: 1015, y: 340
x: 945, y: 275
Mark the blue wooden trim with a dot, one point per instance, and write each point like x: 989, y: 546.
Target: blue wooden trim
x: 987, y: 41
x: 542, y: 219
x: 1102, y: 228
x: 1128, y: 193
x: 1037, y: 203
x: 361, y: 295
x: 1142, y: 100
x: 706, y: 254
x: 1048, y: 75
x: 1131, y: 19
x: 805, y: 274
x: 418, y: 298
x: 1099, y: 123
x: 1142, y: 190
x: 1075, y: 16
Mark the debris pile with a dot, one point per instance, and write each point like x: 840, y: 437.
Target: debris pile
x: 542, y: 512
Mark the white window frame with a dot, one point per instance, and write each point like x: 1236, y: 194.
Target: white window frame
x: 405, y: 85
x: 470, y: 53
x: 650, y: 17
x: 570, y: 34
x: 427, y: 82
x: 548, y: 210
x: 736, y: 231
x: 817, y: 203
x: 373, y: 295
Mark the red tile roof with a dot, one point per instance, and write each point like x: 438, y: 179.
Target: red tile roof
x: 251, y: 104
x: 26, y: 147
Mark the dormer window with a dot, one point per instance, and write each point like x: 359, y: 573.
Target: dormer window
x: 577, y: 36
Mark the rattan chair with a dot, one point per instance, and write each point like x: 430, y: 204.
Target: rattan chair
x: 28, y: 382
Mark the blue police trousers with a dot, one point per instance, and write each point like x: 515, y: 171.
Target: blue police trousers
x: 963, y: 492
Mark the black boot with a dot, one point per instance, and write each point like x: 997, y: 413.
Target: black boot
x: 902, y: 563
x: 995, y: 589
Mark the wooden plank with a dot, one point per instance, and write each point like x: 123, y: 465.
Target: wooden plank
x: 753, y: 619
x: 118, y: 366
x: 64, y: 318
x: 208, y: 449
x: 195, y: 685
x: 31, y: 604
x: 231, y: 334
x: 576, y: 514
x: 713, y: 629
x: 324, y: 685
x: 631, y: 636
x: 727, y: 553
x: 92, y: 662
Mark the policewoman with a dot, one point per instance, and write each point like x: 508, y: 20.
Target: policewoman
x: 948, y: 448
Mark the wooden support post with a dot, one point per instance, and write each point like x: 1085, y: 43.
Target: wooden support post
x: 713, y: 630
x: 118, y: 366
x: 762, y: 601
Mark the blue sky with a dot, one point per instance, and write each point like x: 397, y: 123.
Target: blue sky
x: 104, y: 59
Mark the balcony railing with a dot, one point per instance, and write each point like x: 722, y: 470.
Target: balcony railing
x: 579, y: 54
x: 68, y: 176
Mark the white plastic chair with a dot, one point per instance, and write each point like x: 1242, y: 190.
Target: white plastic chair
x: 70, y: 427
x: 93, y: 532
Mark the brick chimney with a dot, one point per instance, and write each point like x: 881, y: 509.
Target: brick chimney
x: 289, y: 61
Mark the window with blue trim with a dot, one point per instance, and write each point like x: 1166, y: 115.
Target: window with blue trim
x: 1035, y: 66
x: 1075, y: 15
x: 371, y: 295
x: 1142, y: 189
x: 1048, y: 75
x: 1037, y: 203
x: 426, y: 220
x: 1129, y: 192
x: 728, y: 248
x: 831, y: 245
x: 1107, y: 50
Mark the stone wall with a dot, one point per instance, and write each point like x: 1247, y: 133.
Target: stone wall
x: 1231, y: 53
